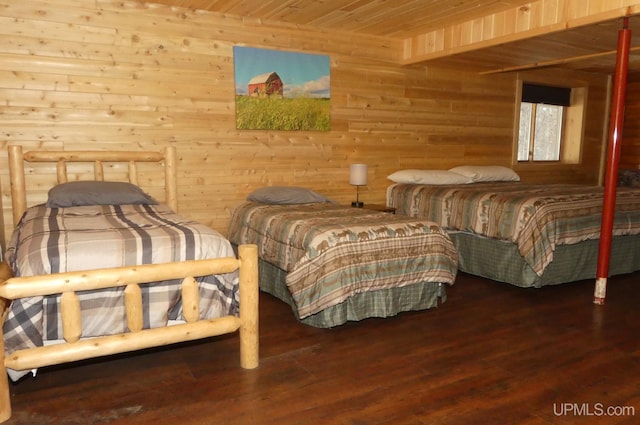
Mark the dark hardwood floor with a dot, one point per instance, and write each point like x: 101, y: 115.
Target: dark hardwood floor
x: 492, y: 354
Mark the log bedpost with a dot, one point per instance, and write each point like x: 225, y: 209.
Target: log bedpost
x: 249, y: 335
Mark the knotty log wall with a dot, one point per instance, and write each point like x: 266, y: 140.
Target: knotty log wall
x: 630, y: 146
x: 103, y: 74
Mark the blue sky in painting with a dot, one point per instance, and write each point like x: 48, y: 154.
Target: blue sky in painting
x: 302, y: 73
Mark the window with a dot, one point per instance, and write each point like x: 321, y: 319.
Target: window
x: 541, y: 124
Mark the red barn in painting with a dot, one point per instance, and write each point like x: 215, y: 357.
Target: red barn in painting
x: 265, y: 85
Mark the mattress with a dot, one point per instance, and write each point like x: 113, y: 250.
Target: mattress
x: 52, y: 240
x: 537, y: 219
x: 331, y: 253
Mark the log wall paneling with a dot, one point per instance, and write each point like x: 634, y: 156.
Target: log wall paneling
x: 630, y: 148
x: 120, y: 75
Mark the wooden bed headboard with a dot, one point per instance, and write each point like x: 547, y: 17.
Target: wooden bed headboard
x: 17, y: 159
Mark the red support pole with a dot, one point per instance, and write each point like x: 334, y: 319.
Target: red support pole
x: 613, y: 158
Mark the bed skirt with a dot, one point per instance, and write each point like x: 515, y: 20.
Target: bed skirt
x: 501, y: 261
x: 380, y: 303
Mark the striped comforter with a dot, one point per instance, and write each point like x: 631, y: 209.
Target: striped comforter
x: 332, y: 252
x: 535, y: 217
x: 51, y: 240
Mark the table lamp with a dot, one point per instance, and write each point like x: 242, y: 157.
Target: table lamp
x: 357, y: 178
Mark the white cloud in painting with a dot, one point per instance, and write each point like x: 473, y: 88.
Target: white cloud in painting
x: 315, y: 88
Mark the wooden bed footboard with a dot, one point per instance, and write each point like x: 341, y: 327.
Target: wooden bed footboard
x: 137, y: 338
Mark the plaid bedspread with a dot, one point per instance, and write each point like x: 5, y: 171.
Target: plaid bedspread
x: 332, y: 252
x: 535, y: 217
x: 51, y: 240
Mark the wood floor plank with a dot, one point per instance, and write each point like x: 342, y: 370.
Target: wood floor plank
x: 492, y: 353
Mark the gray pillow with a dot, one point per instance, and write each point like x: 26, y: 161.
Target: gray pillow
x: 286, y: 195
x: 80, y: 193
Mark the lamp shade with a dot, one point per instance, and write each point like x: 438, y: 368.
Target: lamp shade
x: 358, y: 174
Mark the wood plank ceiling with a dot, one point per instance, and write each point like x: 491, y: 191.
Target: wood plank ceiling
x: 385, y: 18
x: 588, y: 47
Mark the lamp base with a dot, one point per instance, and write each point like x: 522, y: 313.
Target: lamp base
x: 357, y: 204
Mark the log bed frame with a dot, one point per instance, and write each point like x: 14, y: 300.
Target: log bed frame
x: 68, y: 283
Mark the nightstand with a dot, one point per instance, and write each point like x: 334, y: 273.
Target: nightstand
x: 380, y: 207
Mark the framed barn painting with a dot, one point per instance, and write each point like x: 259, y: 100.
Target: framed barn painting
x: 278, y: 90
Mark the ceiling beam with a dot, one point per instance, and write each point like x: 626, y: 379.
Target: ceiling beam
x: 554, y: 62
x: 518, y: 23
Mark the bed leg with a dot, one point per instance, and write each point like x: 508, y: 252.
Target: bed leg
x: 5, y: 393
x: 249, y: 336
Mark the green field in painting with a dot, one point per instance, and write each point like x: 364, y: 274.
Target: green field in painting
x: 272, y: 113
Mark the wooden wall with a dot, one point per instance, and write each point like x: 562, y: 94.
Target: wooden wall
x: 630, y: 146
x: 103, y: 74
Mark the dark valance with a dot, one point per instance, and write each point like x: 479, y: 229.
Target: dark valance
x: 535, y: 93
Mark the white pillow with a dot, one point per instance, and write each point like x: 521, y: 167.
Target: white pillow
x: 487, y: 173
x: 428, y: 177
